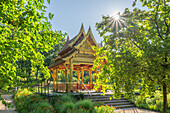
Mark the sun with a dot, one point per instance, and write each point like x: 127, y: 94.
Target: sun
x: 116, y: 16
x: 117, y: 21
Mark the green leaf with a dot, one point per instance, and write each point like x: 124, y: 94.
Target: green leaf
x: 134, y: 3
x: 48, y: 1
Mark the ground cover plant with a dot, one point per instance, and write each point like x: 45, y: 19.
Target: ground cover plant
x: 154, y: 102
x: 26, y: 101
x: 105, y: 109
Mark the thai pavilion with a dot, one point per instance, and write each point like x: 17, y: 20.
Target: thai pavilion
x: 76, y: 55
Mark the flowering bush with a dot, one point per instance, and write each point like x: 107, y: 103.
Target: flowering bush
x: 67, y: 98
x: 67, y: 106
x: 85, y: 104
x: 43, y: 107
x: 105, y: 109
x: 79, y: 111
x: 26, y: 102
x: 98, y: 104
x: 22, y: 93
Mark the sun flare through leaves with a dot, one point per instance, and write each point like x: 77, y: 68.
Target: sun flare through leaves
x: 117, y: 21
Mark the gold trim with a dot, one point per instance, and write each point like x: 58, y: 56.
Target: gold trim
x: 79, y: 34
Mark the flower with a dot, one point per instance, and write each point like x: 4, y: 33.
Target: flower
x: 39, y: 108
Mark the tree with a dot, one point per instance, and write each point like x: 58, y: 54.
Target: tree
x: 31, y: 78
x: 136, y: 47
x: 21, y: 22
x: 53, y: 53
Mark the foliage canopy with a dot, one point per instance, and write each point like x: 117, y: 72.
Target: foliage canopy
x: 25, y: 35
x: 136, y: 48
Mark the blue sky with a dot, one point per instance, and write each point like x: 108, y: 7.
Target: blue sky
x: 70, y: 14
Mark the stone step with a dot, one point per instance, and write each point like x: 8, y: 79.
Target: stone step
x: 116, y: 104
x: 100, y: 99
x: 100, y: 96
x: 95, y: 97
x: 124, y: 106
x: 115, y: 101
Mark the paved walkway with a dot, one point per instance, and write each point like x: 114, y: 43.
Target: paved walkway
x: 3, y: 108
x: 134, y: 110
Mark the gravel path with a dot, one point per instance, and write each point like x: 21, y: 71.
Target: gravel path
x: 4, y: 109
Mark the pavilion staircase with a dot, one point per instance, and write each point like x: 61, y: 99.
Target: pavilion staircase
x: 118, y: 103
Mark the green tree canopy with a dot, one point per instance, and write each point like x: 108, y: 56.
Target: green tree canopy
x: 25, y: 34
x: 136, y: 47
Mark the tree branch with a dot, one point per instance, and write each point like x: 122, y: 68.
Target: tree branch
x: 157, y: 27
x: 165, y: 20
x: 136, y: 44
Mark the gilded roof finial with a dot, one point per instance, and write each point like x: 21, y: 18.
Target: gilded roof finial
x: 89, y: 30
x: 82, y: 28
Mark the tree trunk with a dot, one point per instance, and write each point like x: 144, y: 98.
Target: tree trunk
x: 164, y: 99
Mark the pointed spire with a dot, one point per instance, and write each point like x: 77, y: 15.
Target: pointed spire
x: 89, y: 30
x: 82, y: 28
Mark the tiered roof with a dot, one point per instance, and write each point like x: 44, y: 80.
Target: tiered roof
x: 72, y: 47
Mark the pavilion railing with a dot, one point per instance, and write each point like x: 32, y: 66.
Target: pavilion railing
x: 87, y: 89
x: 61, y: 86
x: 47, y: 87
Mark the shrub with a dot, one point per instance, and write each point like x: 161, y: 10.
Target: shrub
x: 53, y: 99
x: 157, y: 96
x: 152, y: 107
x: 149, y: 101
x: 22, y: 93
x: 67, y: 106
x: 168, y: 97
x: 105, y: 109
x: 24, y: 111
x: 78, y: 111
x: 133, y: 99
x: 153, y: 101
x: 168, y: 111
x: 159, y: 104
x: 26, y: 102
x: 138, y: 100
x: 67, y: 98
x: 43, y: 107
x: 80, y: 96
x: 144, y: 106
x: 85, y: 104
x: 58, y: 105
x: 98, y: 103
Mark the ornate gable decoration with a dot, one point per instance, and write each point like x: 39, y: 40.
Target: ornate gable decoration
x: 86, y: 48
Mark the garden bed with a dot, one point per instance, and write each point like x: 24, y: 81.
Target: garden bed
x: 154, y: 102
x: 28, y: 102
